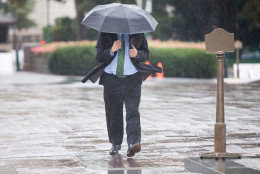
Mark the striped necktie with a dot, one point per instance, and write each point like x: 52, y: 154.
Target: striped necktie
x: 120, y: 59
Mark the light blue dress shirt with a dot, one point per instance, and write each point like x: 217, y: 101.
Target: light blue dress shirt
x: 129, y: 67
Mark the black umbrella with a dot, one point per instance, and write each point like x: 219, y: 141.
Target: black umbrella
x: 119, y: 18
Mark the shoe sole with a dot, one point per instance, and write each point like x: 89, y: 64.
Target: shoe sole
x: 135, y: 149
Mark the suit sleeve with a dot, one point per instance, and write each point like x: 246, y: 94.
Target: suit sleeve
x: 143, y: 53
x: 102, y: 53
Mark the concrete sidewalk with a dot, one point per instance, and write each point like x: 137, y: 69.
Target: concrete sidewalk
x: 56, y: 124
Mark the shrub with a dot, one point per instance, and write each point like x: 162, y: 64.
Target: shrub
x: 177, y: 62
x: 72, y: 60
x: 64, y: 30
x: 185, y: 62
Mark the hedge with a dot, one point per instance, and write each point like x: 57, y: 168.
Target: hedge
x: 177, y: 62
x: 185, y: 62
x: 64, y: 30
x: 72, y: 60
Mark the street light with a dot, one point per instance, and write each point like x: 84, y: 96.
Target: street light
x: 143, y: 4
x: 48, y: 22
x: 238, y: 45
x: 4, y: 6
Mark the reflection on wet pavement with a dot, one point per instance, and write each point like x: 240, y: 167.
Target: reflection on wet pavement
x: 116, y: 162
x: 48, y: 124
x: 123, y: 171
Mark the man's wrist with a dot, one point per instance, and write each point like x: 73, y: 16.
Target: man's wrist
x: 111, y: 53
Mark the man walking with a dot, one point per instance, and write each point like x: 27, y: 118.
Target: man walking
x: 121, y: 74
x: 122, y: 85
x: 120, y: 70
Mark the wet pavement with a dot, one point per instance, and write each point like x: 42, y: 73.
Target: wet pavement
x: 56, y: 124
x: 222, y: 166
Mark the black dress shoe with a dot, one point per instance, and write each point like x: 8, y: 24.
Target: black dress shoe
x: 132, y: 149
x: 114, y: 149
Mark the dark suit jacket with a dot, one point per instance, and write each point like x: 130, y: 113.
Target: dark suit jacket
x: 104, y: 44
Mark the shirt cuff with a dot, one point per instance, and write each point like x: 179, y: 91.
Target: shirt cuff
x: 111, y: 54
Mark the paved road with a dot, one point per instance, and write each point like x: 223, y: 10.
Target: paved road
x: 55, y: 124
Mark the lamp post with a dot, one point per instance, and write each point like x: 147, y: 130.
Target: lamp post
x: 147, y: 5
x: 15, y: 44
x: 48, y: 22
x: 4, y: 6
x: 143, y: 7
x: 144, y: 4
x: 16, y: 50
x: 238, y: 45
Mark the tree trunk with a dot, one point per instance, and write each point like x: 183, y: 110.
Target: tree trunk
x: 229, y: 15
x: 215, y: 13
x: 81, y: 30
x: 221, y: 15
x: 200, y: 17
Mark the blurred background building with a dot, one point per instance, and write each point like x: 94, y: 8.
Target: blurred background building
x: 31, y: 29
x: 6, y: 22
x: 56, y: 10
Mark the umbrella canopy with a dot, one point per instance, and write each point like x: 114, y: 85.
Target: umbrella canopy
x: 119, y: 18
